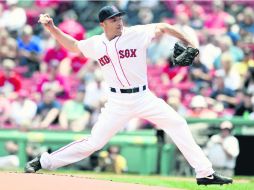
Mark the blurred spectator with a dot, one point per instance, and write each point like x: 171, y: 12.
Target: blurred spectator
x: 221, y: 93
x: 227, y: 47
x: 199, y: 108
x: 23, y: 110
x: 156, y: 52
x: 10, y: 161
x: 29, y: 50
x: 222, y: 150
x: 149, y: 4
x: 96, y: 92
x: 245, y: 107
x: 73, y: 64
x: 87, y: 71
x: 73, y: 115
x: 46, y: 42
x: 112, y: 161
x: 174, y: 99
x: 70, y: 22
x: 11, y: 49
x: 182, y: 22
x: 233, y: 31
x: 229, y: 73
x: 122, y: 5
x: 199, y: 74
x: 4, y: 36
x: 248, y: 61
x: 54, y: 81
x: 217, y: 19
x: 174, y: 75
x: 77, y: 62
x: 48, y: 111
x: 10, y: 15
x: 96, y: 95
x: 184, y: 7
x: 145, y: 15
x: 209, y: 50
x: 9, y: 80
x: 197, y: 17
x: 247, y: 21
x: 4, y: 110
x: 8, y: 48
x: 42, y: 4
x: 57, y: 52
x: 249, y: 81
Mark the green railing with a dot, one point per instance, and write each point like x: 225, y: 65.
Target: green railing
x: 237, y: 121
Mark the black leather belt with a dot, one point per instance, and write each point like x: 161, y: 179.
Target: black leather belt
x: 130, y: 90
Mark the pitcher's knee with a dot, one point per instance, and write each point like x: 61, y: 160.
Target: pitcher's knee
x: 180, y: 121
x: 176, y: 122
x: 95, y: 146
x: 99, y: 146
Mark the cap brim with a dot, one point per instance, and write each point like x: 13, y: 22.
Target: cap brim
x: 116, y: 14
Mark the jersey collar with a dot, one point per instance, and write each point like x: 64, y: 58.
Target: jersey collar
x: 105, y: 39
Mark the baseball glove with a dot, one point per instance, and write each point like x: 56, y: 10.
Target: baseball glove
x: 182, y: 55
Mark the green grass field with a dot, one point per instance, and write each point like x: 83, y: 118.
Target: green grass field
x: 240, y: 183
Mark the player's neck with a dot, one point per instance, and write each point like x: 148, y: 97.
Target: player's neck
x: 110, y: 36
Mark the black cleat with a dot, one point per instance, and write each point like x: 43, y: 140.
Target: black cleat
x: 214, y: 179
x: 33, y: 166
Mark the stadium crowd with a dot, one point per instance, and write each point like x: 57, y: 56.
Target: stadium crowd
x: 41, y: 84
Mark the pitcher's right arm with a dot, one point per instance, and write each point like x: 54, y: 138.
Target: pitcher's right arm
x: 65, y: 40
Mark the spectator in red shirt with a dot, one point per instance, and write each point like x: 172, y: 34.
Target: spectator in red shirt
x: 216, y: 21
x: 9, y: 80
x: 52, y: 80
x: 174, y: 75
x: 184, y: 7
x: 56, y: 53
x: 42, y: 4
x: 77, y: 62
x: 71, y: 26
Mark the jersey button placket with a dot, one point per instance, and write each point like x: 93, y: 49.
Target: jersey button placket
x: 115, y: 70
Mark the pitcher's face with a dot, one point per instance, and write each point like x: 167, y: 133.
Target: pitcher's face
x: 114, y: 25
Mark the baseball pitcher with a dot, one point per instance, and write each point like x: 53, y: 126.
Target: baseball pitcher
x: 121, y: 53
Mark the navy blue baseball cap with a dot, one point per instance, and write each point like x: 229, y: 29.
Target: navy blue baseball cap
x: 109, y: 12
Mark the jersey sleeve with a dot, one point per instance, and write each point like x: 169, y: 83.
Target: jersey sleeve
x: 147, y: 31
x: 87, y: 47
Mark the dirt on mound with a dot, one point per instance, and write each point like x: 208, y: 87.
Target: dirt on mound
x: 22, y: 181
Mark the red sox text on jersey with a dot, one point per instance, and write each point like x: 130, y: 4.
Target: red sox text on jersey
x: 127, y: 53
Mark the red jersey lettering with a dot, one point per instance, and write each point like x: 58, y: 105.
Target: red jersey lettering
x: 127, y: 53
x: 104, y: 60
x: 121, y: 52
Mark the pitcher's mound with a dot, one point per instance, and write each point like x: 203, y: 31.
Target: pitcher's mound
x: 22, y: 181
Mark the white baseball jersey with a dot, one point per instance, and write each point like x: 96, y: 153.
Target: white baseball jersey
x: 123, y: 59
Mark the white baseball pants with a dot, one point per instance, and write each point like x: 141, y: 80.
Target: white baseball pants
x: 117, y: 111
